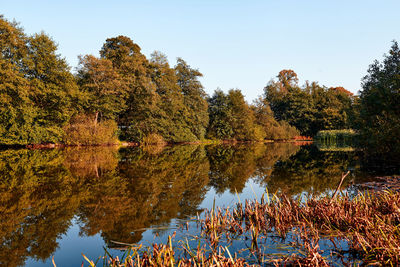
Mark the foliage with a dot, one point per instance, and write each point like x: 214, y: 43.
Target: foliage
x: 153, y: 139
x: 272, y: 128
x: 339, y: 138
x: 232, y: 118
x: 309, y: 108
x: 83, y: 130
x: 379, y: 106
x: 194, y: 98
x: 146, y: 97
x: 102, y: 85
x: 220, y: 113
x: 36, y: 88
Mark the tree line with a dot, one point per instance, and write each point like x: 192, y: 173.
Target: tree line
x: 122, y: 94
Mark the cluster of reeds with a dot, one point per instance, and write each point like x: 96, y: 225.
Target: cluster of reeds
x: 368, y: 225
x: 333, y: 136
x: 164, y: 255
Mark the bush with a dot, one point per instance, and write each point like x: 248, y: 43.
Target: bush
x: 82, y: 130
x: 153, y: 139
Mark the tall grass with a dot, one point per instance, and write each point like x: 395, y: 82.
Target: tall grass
x: 335, y: 136
x: 367, y: 225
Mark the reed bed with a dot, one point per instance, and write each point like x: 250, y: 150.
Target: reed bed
x: 364, y: 229
x: 333, y: 136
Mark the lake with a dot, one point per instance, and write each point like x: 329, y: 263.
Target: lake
x: 64, y: 202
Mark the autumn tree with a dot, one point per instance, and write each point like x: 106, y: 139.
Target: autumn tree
x: 194, y: 98
x: 53, y: 88
x: 103, y: 87
x: 16, y: 109
x: 311, y: 107
x: 36, y: 88
x: 141, y: 113
x: 172, y: 123
x: 272, y: 128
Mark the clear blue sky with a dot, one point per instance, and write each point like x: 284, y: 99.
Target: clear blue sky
x: 235, y: 44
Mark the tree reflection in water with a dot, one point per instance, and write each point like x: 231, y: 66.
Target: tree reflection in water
x: 119, y: 193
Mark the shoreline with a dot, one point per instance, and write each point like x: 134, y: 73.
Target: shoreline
x: 137, y: 144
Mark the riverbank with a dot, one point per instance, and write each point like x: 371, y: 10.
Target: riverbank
x: 300, y: 140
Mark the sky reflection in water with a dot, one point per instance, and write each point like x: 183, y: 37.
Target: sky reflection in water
x: 73, y: 201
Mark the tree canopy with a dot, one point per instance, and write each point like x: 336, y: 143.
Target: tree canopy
x: 309, y: 108
x: 379, y: 105
x: 122, y: 93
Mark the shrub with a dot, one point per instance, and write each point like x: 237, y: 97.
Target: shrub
x: 153, y: 139
x: 82, y: 130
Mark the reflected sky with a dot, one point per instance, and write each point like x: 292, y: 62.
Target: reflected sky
x: 65, y: 202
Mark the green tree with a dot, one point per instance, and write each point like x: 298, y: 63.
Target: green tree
x: 232, y: 118
x: 311, y: 107
x: 194, y: 98
x: 54, y: 88
x: 173, y: 125
x: 103, y: 87
x: 243, y: 120
x: 220, y: 113
x: 379, y: 106
x: 140, y: 118
x: 36, y: 88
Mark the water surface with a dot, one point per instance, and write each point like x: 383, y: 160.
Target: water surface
x: 64, y: 202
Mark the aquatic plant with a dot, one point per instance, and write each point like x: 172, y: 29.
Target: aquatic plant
x: 368, y: 224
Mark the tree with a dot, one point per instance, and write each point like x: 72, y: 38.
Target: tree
x: 309, y: 108
x: 243, y: 120
x: 173, y: 125
x: 194, y: 98
x: 379, y: 105
x: 105, y: 91
x: 53, y: 87
x: 232, y: 118
x: 36, y: 88
x: 220, y: 114
x: 16, y: 109
x: 141, y: 116
x: 265, y: 118
x: 287, y: 79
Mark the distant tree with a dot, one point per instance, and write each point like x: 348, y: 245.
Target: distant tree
x: 220, y: 113
x: 272, y: 128
x: 173, y: 123
x: 141, y: 115
x: 309, y: 108
x: 287, y: 79
x: 379, y: 105
x: 243, y: 121
x: 232, y: 118
x: 105, y: 91
x: 194, y: 97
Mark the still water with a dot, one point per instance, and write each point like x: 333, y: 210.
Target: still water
x: 64, y: 202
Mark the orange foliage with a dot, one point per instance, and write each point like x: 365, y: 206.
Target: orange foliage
x: 341, y: 90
